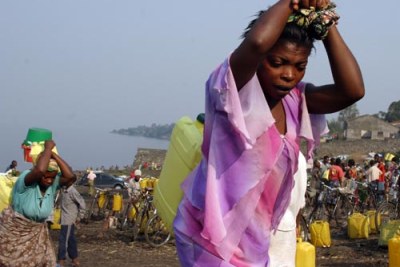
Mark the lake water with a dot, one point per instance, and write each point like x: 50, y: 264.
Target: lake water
x: 79, y: 147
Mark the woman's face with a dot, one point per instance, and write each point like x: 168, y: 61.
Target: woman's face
x: 283, y: 67
x: 48, y: 179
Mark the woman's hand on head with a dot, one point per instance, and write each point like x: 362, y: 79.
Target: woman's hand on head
x: 49, y: 144
x: 317, y: 4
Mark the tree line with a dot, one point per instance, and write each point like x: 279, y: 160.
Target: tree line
x: 336, y: 126
x: 157, y: 131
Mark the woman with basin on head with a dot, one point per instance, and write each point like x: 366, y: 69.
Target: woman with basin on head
x: 257, y: 109
x: 24, y: 236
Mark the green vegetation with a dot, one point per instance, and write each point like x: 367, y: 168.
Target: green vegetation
x: 393, y: 113
x: 154, y: 131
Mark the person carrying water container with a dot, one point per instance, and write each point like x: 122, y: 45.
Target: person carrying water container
x: 24, y: 235
x: 257, y: 111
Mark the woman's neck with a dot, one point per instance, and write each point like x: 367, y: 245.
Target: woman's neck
x: 278, y: 112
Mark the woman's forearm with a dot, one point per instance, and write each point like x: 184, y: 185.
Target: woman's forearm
x: 66, y: 170
x: 345, y: 69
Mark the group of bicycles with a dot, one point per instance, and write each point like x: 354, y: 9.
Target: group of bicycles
x: 336, y: 204
x: 136, y: 216
x: 333, y: 204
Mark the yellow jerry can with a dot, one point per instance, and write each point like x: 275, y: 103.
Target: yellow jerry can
x: 117, y: 202
x: 183, y: 155
x: 102, y: 200
x: 56, y: 219
x: 305, y: 254
x: 132, y: 213
x: 394, y: 252
x: 143, y: 183
x: 358, y: 226
x: 320, y: 234
x: 373, y: 222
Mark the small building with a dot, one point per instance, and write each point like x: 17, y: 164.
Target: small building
x: 369, y: 127
x: 396, y: 123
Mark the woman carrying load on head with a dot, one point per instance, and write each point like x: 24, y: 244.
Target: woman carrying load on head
x: 257, y: 109
x: 24, y: 236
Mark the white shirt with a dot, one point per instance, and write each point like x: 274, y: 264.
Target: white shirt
x: 373, y: 173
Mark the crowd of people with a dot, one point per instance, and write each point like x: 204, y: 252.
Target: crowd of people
x: 382, y: 175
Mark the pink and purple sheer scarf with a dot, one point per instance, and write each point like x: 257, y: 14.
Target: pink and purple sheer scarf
x: 239, y: 192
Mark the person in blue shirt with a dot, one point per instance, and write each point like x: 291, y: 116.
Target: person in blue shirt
x: 24, y: 236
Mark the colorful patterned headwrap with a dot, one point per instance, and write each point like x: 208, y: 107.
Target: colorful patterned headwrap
x: 316, y: 22
x: 53, y: 166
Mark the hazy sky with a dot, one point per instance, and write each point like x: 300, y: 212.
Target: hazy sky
x: 120, y: 63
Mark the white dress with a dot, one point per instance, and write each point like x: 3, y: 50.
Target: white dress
x: 282, y: 250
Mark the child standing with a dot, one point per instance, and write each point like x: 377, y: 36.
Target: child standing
x: 72, y: 205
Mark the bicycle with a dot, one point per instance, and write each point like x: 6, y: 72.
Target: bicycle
x: 155, y: 231
x: 367, y: 197
x: 333, y: 204
x: 127, y: 218
x: 98, y: 206
x: 302, y: 228
x: 386, y: 211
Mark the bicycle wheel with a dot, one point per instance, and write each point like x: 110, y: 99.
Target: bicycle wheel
x: 156, y: 232
x: 140, y: 219
x: 343, y: 210
x: 125, y: 219
x: 385, y: 212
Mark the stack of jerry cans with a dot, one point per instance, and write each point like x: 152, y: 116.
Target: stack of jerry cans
x: 183, y: 155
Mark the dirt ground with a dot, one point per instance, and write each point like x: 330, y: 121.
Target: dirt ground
x: 115, y: 249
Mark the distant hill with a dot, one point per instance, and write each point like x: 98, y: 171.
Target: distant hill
x: 157, y: 131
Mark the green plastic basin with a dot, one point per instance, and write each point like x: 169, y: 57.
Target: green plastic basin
x: 38, y: 135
